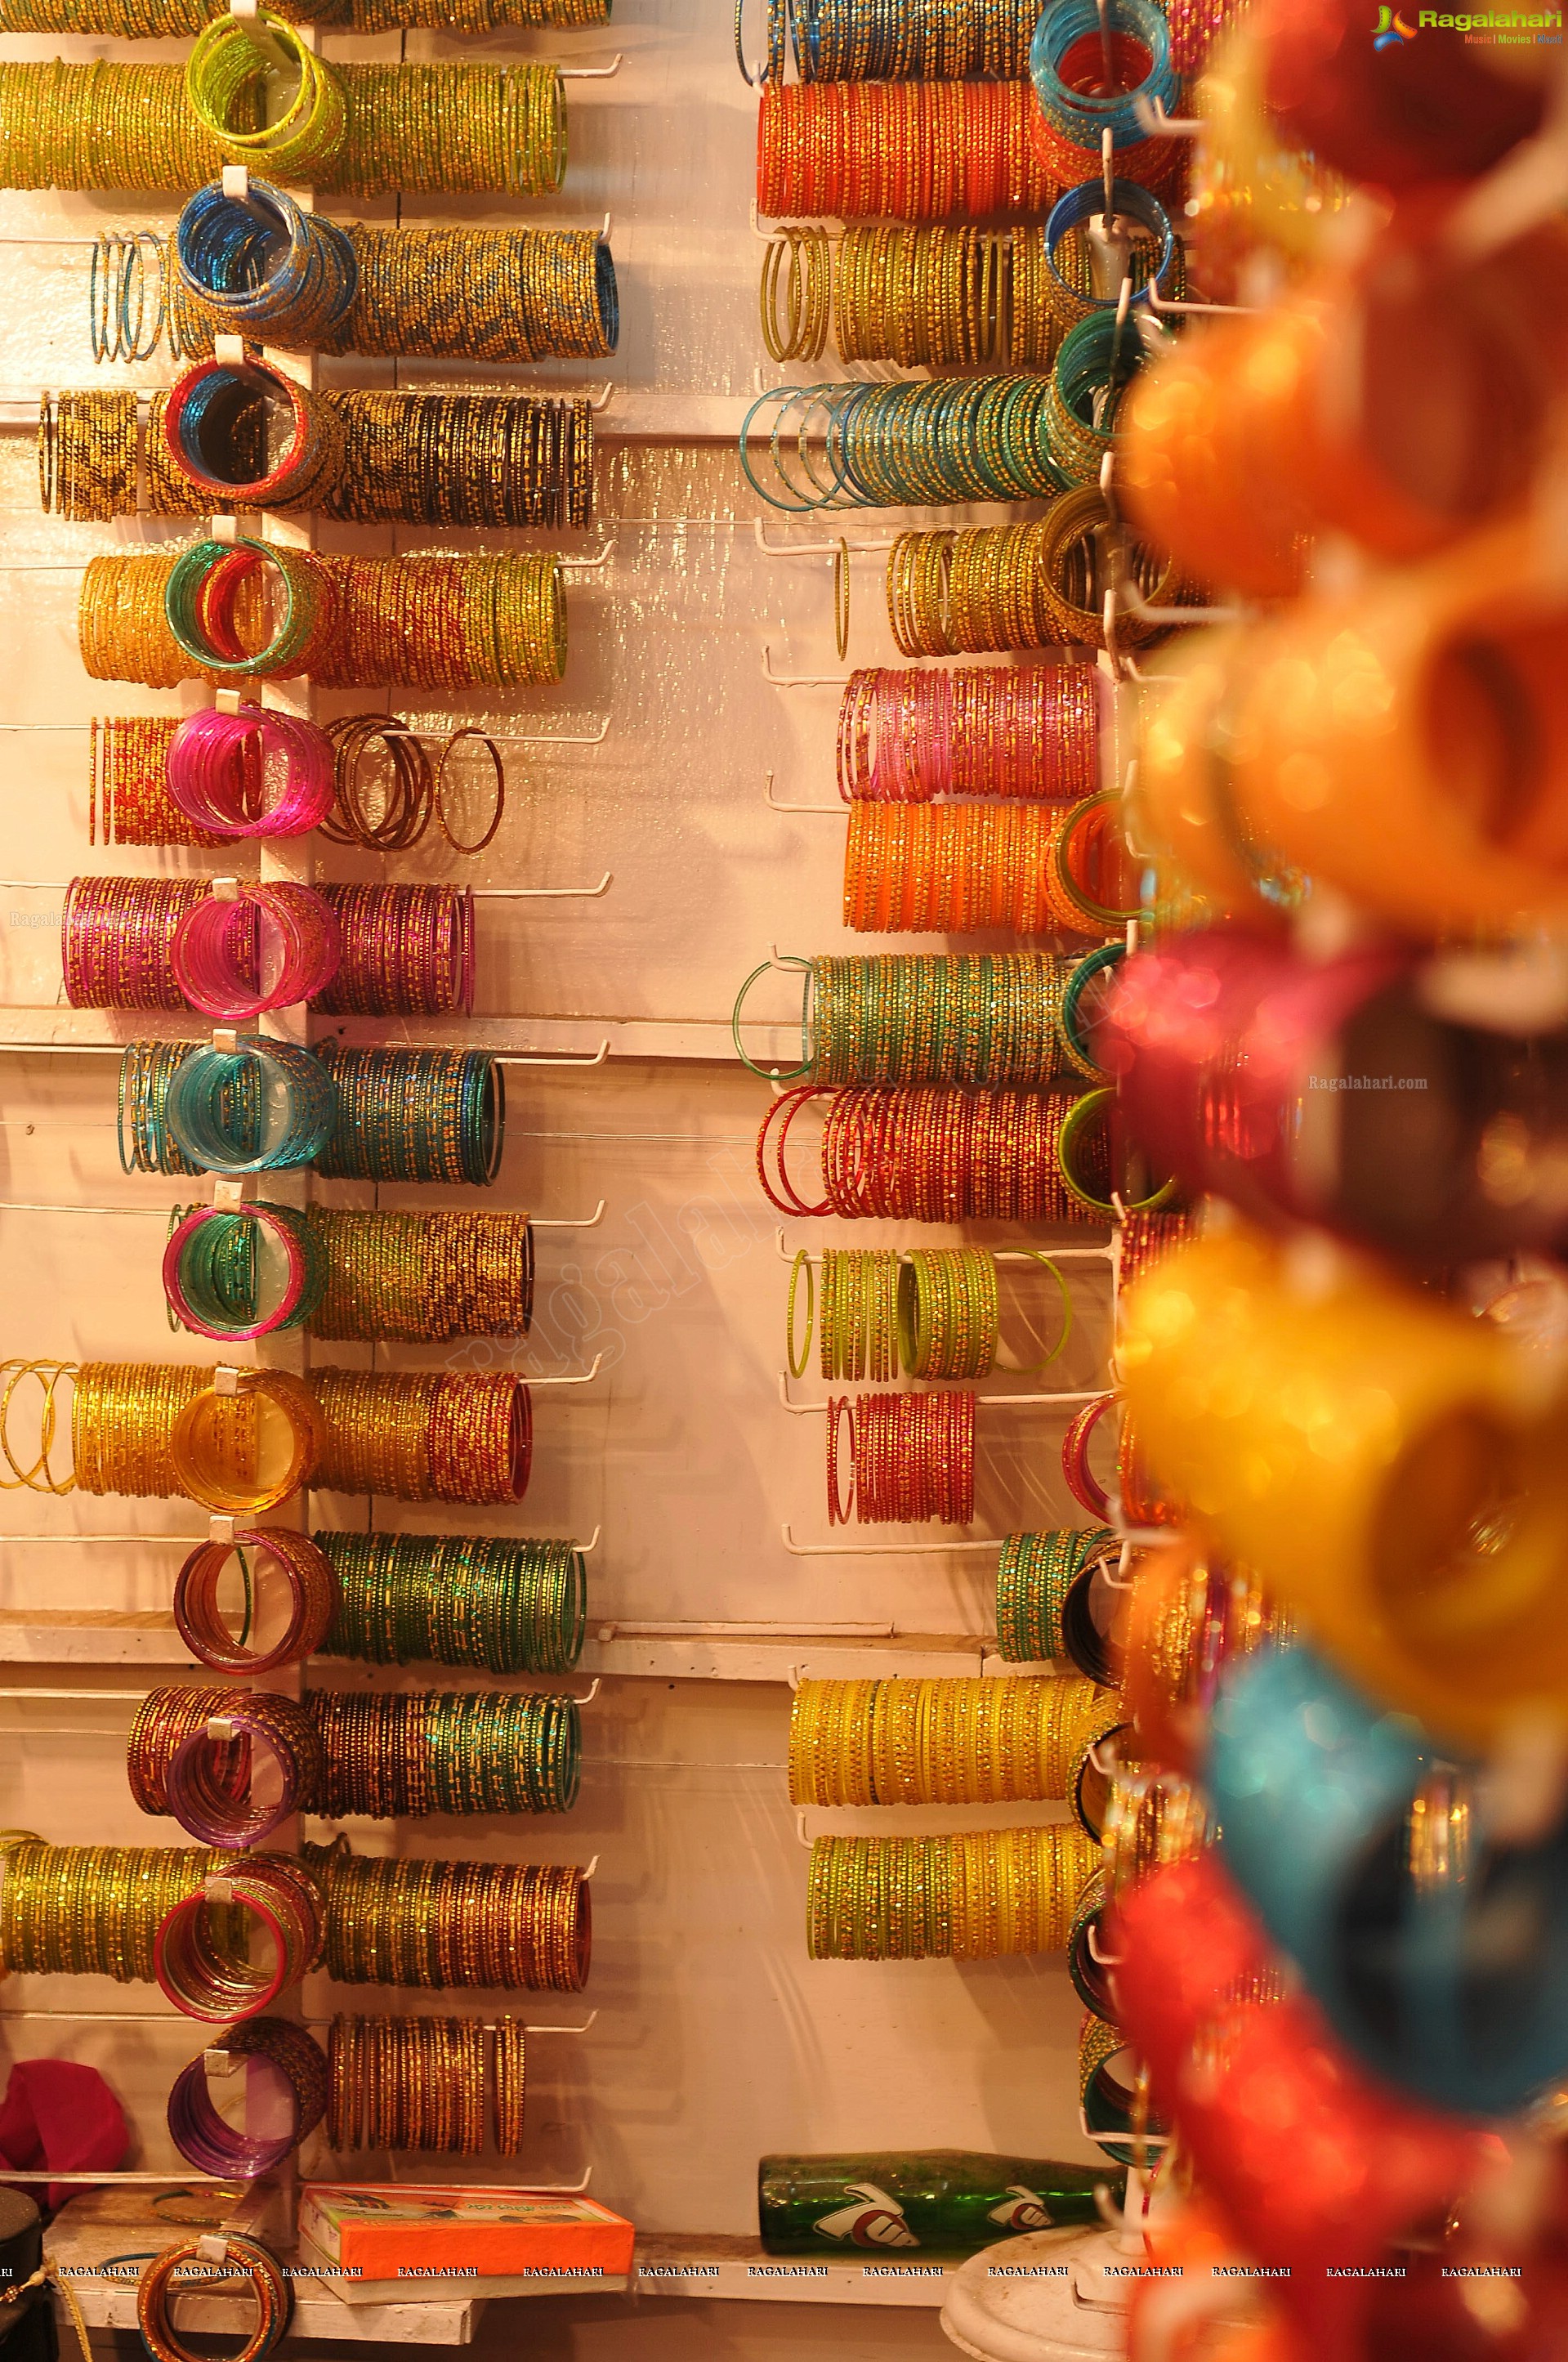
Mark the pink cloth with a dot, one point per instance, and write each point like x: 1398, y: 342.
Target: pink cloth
x: 63, y: 2115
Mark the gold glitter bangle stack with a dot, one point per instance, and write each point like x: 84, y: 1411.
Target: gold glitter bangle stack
x: 422, y: 1277
x: 422, y: 459
x: 517, y: 1925
x: 979, y: 1897
x: 942, y: 1742
x: 404, y: 2083
x: 426, y: 621
x: 96, y: 1910
x: 481, y: 129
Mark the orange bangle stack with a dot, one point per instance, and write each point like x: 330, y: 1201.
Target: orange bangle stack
x: 901, y: 151
x: 965, y: 869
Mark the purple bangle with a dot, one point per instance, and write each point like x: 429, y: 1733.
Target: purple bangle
x: 224, y: 772
x: 205, y: 2140
x: 193, y: 1787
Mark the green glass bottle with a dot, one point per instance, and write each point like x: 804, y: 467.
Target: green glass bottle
x: 949, y: 2201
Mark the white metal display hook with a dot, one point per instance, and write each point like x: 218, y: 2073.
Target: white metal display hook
x: 879, y: 1550
x: 819, y: 811
x: 987, y: 1402
x: 999, y: 1254
x: 800, y: 679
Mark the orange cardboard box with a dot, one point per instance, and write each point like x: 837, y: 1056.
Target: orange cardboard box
x: 402, y: 2231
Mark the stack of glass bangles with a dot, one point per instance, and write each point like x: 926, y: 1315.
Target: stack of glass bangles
x: 155, y: 19
x: 942, y: 1742
x: 159, y: 1431
x: 965, y: 869
x: 263, y: 1106
x: 184, y: 1915
x: 163, y: 942
x: 426, y: 620
x: 188, y: 2265
x: 419, y: 2083
x: 451, y: 128
x: 366, y: 456
x: 406, y: 1754
x: 258, y: 772
x: 425, y: 1435
x: 932, y: 1312
x: 349, y: 1273
x: 985, y: 588
x: 901, y: 151
x: 1075, y: 110
x: 986, y: 730
x: 307, y: 1574
x: 938, y: 296
x: 440, y: 1924
x: 191, y: 1754
x: 865, y: 40
x: 514, y: 1606
x: 1037, y: 1575
x: 975, y: 1018
x: 270, y: 272
x: 943, y: 1155
x: 201, y: 1955
x: 293, y: 2063
x: 971, y: 1897
x: 901, y: 1459
x: 925, y: 442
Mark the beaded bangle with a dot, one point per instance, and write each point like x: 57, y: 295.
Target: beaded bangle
x: 186, y: 2264
x: 308, y: 1575
x: 292, y: 2061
